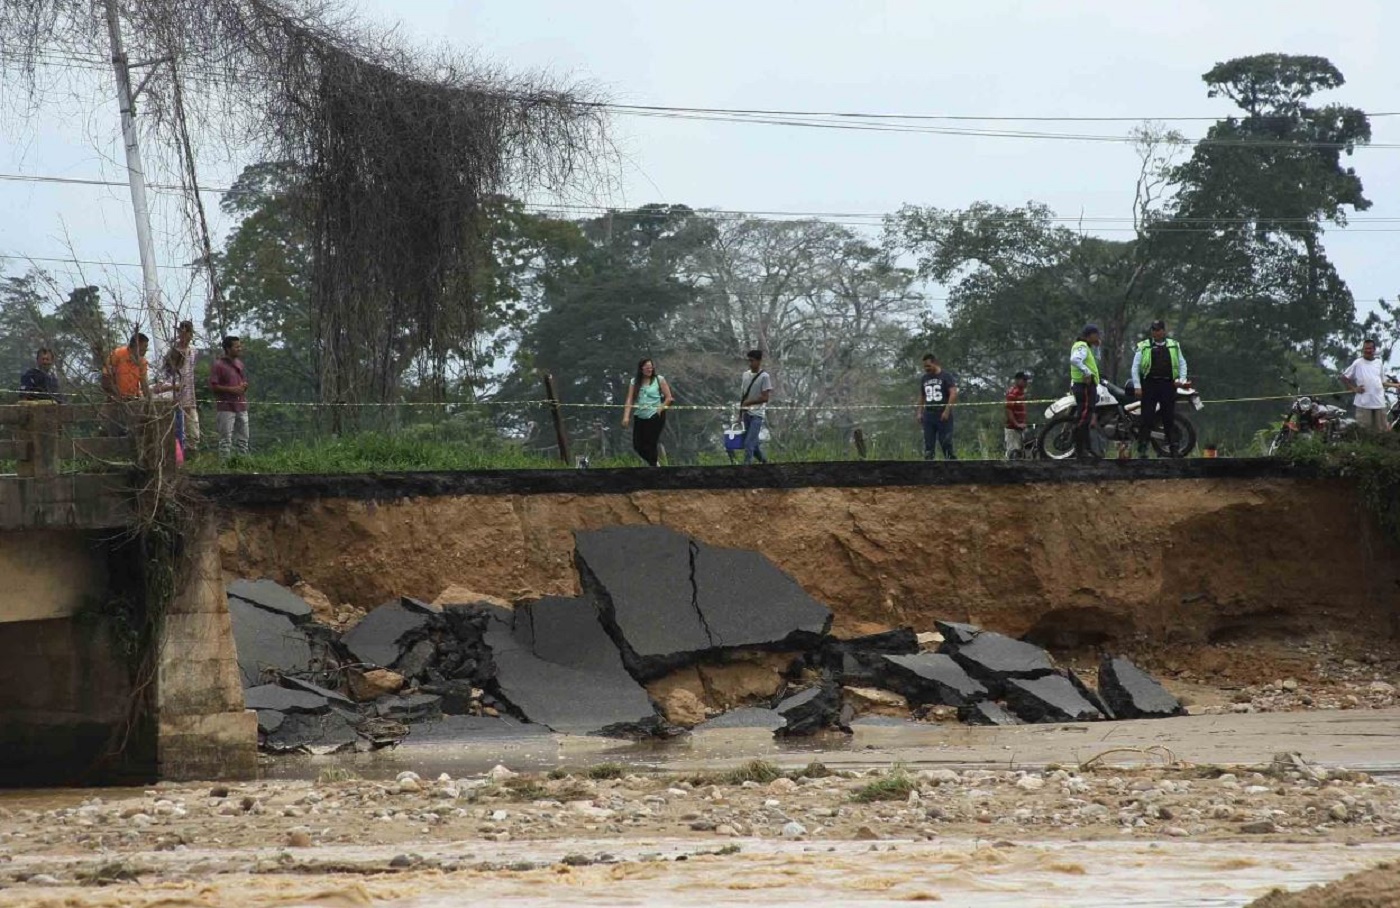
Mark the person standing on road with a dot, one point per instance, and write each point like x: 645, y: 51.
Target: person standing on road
x: 1159, y: 368
x: 1366, y: 378
x: 184, y: 395
x: 230, y: 386
x: 938, y: 391
x: 757, y: 387
x: 40, y: 382
x: 1084, y: 376
x: 650, y: 396
x: 1015, y: 433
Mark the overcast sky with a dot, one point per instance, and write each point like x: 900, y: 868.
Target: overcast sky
x: 990, y: 58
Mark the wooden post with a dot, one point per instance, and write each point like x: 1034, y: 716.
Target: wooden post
x: 560, y: 436
x: 859, y: 438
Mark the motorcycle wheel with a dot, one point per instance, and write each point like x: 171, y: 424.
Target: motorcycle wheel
x: 1185, y: 438
x: 1278, y: 443
x: 1056, y: 441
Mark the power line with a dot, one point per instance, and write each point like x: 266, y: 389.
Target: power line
x: 862, y: 219
x: 73, y: 261
x: 97, y: 63
x: 839, y: 120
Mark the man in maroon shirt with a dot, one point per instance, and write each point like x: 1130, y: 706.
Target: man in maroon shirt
x: 230, y: 387
x: 1016, y: 416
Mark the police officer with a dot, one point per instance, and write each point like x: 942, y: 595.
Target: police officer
x: 1084, y: 375
x: 1158, y: 370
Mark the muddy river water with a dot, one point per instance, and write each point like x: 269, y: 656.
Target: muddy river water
x: 335, y: 832
x: 955, y: 873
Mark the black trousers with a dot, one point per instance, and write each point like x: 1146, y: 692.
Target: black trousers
x: 1086, y: 398
x: 646, y: 436
x: 1158, y: 401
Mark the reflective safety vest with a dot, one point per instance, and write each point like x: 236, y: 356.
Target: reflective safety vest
x: 1076, y: 374
x: 1144, y: 349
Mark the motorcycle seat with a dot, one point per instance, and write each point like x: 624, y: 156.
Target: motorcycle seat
x: 1119, y: 394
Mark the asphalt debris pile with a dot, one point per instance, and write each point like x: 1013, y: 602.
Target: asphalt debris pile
x: 669, y: 634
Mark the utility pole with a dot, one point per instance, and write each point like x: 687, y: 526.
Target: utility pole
x: 136, y: 176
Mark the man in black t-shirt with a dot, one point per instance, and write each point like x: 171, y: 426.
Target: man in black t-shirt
x: 938, y: 391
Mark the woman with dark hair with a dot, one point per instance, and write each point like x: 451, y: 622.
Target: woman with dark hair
x: 649, y: 395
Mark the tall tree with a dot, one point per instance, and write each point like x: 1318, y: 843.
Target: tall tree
x: 1244, y: 232
x: 831, y: 311
x: 609, y: 286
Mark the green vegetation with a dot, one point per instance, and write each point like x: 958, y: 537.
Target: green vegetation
x: 760, y: 771
x: 604, y: 771
x: 332, y: 775
x: 893, y: 786
x: 1372, y: 462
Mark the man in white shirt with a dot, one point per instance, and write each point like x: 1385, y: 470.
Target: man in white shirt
x: 756, y: 389
x: 1366, y: 377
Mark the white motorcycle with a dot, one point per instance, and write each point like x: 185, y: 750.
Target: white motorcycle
x: 1119, y: 414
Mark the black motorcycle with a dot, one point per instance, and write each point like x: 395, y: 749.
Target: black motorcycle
x: 1309, y: 418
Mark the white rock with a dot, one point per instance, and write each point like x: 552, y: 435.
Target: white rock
x: 1030, y: 783
x: 409, y: 786
x: 794, y: 830
x: 940, y: 776
x: 499, y: 815
x: 782, y: 785
x: 589, y: 809
x: 499, y: 773
x: 407, y: 774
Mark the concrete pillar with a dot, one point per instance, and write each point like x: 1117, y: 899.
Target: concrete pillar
x: 203, y: 731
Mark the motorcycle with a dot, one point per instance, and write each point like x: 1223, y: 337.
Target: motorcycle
x: 1030, y: 444
x: 1308, y: 417
x: 1119, y: 414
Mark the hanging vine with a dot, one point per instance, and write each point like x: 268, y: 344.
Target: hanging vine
x: 399, y: 146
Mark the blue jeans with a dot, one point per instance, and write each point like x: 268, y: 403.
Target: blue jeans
x: 938, y: 433
x: 753, y: 425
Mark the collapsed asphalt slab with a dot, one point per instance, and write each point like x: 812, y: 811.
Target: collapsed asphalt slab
x: 1133, y: 694
x: 558, y: 668
x: 387, y: 634
x: 931, y: 678
x: 1050, y: 698
x: 266, y: 643
x: 271, y: 596
x: 654, y: 601
x: 994, y: 659
x: 667, y: 600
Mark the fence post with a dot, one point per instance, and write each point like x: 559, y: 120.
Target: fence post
x: 859, y: 438
x: 560, y: 436
x: 40, y: 432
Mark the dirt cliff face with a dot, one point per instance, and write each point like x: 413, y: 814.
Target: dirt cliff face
x: 1188, y: 560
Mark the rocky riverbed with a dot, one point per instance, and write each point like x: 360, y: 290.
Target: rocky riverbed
x: 97, y: 848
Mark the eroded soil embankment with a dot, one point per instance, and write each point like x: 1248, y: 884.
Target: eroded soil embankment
x: 1188, y: 560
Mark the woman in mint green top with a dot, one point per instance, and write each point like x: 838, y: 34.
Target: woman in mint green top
x: 649, y: 395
